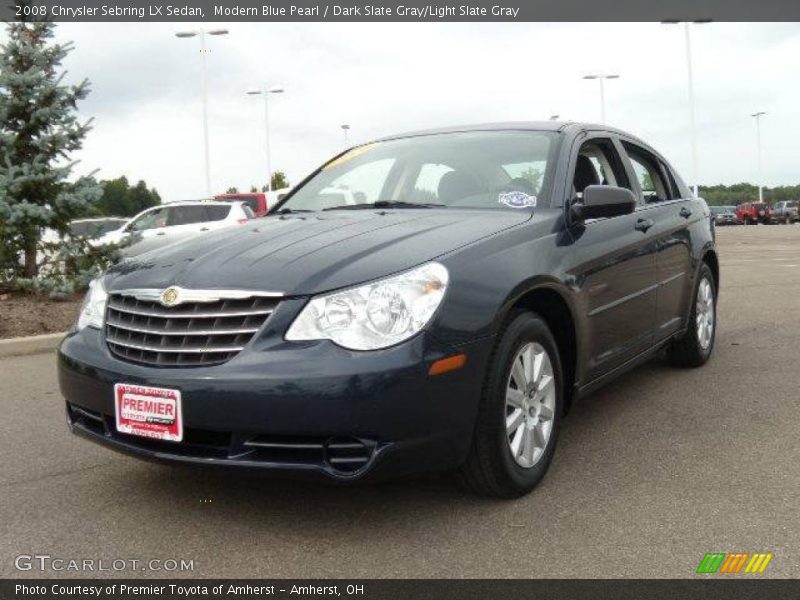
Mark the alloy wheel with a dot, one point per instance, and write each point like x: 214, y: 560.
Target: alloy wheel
x: 530, y: 404
x: 705, y: 313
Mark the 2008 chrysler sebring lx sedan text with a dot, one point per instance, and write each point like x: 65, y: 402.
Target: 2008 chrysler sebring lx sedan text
x: 429, y: 301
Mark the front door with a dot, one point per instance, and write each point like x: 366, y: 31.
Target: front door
x: 614, y: 267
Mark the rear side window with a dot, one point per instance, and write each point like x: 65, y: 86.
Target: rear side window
x: 187, y: 215
x: 650, y: 174
x: 217, y: 212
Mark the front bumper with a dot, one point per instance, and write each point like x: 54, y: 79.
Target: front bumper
x: 308, y: 407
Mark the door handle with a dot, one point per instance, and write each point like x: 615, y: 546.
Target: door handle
x: 161, y: 233
x: 204, y: 229
x: 644, y: 224
x: 685, y: 212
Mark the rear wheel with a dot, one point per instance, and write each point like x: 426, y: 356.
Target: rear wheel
x: 519, y: 413
x: 696, y: 345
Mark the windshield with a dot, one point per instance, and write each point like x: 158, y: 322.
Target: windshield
x: 487, y: 169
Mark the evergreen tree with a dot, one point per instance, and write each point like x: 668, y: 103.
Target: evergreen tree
x: 39, y: 130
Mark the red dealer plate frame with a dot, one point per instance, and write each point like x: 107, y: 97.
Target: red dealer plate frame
x: 150, y: 412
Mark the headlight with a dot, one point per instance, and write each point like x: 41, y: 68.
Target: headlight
x: 375, y: 315
x: 93, y: 309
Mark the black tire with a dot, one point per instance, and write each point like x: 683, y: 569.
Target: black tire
x: 490, y: 468
x: 687, y: 351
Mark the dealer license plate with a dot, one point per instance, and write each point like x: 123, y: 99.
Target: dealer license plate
x: 149, y: 411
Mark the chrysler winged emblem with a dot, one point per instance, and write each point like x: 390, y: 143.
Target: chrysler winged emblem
x: 169, y: 297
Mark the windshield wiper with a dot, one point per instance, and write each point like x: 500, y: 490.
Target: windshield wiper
x: 386, y: 204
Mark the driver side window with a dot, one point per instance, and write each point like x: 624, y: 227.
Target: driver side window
x: 598, y: 163
x: 151, y: 220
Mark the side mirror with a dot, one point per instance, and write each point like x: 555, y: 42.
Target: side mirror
x: 602, y: 201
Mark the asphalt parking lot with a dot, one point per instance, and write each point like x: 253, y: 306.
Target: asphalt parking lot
x: 651, y: 473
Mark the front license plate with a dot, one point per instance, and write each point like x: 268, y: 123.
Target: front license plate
x: 148, y: 411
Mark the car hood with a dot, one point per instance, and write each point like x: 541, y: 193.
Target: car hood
x: 311, y: 253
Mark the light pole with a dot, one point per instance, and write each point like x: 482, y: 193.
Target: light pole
x: 265, y: 92
x: 345, y: 129
x: 757, y: 117
x: 687, y: 30
x: 204, y: 86
x: 602, y: 79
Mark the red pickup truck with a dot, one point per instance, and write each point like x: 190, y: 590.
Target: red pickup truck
x: 753, y: 213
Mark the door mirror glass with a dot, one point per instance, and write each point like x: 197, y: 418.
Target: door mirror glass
x: 603, y: 201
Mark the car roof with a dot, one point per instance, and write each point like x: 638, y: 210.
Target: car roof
x: 183, y: 203
x: 558, y: 126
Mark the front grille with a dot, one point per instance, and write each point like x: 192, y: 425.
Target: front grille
x: 190, y: 334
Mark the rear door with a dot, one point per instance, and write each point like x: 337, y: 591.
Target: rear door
x: 615, y: 267
x: 669, y: 206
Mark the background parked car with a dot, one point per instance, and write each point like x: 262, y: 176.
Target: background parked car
x: 724, y: 215
x: 785, y: 212
x: 753, y: 213
x: 91, y: 229
x: 88, y: 228
x: 258, y: 202
x: 177, y: 219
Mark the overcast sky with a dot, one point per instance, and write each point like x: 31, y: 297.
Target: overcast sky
x: 386, y: 78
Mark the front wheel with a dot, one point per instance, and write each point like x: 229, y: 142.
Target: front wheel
x: 696, y: 345
x: 519, y: 412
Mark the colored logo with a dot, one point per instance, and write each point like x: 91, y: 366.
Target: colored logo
x: 734, y: 562
x: 169, y: 297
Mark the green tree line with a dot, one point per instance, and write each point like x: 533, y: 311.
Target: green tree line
x: 731, y: 195
x: 120, y: 199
